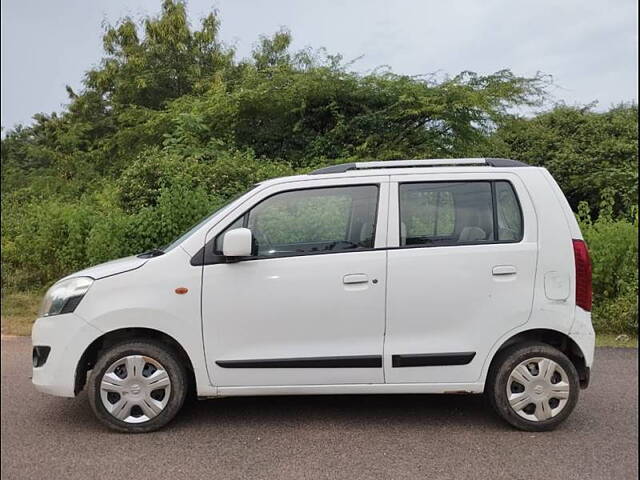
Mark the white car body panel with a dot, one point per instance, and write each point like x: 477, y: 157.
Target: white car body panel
x: 426, y: 299
x: 146, y: 298
x: 273, y: 316
x: 295, y: 307
x: 113, y: 267
x: 447, y: 300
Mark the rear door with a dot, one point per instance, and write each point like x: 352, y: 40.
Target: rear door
x: 461, y: 275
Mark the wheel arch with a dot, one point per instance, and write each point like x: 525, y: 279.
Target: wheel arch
x: 92, y: 352
x: 551, y: 337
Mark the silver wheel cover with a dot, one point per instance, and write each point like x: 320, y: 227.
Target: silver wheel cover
x: 538, y: 389
x: 135, y: 389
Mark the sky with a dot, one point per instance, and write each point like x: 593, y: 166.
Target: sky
x: 590, y: 47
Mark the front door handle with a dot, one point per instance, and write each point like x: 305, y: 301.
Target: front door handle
x: 355, y: 278
x: 504, y: 270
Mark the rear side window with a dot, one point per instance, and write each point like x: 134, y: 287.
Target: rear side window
x: 311, y: 221
x: 508, y: 212
x: 458, y: 213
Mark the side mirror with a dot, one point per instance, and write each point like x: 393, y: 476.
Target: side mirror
x: 237, y: 243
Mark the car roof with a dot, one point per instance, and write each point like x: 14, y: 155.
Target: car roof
x: 403, y: 167
x: 435, y: 162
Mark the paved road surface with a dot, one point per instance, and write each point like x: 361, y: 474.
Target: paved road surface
x: 351, y: 437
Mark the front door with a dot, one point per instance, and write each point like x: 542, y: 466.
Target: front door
x: 462, y: 274
x: 308, y: 307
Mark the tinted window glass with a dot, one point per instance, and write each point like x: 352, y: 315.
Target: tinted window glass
x: 312, y: 220
x: 446, y: 213
x: 508, y: 213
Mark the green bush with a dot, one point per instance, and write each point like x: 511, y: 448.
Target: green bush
x: 613, y: 247
x: 178, y: 209
x: 108, y: 238
x: 141, y: 183
x: 220, y: 173
x: 49, y: 241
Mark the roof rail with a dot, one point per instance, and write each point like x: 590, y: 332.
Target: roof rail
x: 491, y: 162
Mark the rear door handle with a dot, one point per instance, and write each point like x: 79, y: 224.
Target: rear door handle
x: 354, y: 278
x: 504, y: 270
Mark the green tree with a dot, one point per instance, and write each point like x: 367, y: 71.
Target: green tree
x: 170, y: 124
x: 168, y: 61
x: 586, y: 151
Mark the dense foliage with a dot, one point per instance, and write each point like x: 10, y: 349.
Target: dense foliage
x: 171, y: 124
x: 587, y: 152
x: 613, y: 245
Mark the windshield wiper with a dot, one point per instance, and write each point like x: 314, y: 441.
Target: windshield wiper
x: 154, y: 252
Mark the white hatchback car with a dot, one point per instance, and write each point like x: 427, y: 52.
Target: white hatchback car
x: 421, y: 276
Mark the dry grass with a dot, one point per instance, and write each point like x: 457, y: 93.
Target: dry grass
x: 19, y: 311
x: 616, y: 340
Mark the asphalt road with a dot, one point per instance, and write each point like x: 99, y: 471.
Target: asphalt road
x: 351, y: 437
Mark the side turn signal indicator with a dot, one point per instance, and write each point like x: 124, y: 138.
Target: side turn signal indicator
x: 181, y: 290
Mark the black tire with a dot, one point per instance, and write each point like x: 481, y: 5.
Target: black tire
x: 506, y: 362
x: 158, y: 352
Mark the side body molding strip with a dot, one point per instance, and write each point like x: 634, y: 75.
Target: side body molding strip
x: 354, y: 361
x: 432, y: 359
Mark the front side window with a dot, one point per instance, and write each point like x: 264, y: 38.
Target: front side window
x: 458, y: 213
x: 311, y: 221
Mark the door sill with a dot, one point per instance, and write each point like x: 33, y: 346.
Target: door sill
x: 350, y: 389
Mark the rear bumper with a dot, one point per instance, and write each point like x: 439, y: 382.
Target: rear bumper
x: 67, y: 336
x: 583, y: 334
x: 585, y: 337
x: 584, y: 381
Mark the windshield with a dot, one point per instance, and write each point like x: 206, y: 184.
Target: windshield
x: 193, y: 229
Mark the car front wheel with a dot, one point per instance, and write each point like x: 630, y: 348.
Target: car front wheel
x: 137, y: 386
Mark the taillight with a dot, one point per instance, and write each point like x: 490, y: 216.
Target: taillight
x: 584, y: 292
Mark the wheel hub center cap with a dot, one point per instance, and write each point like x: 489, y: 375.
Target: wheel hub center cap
x: 135, y: 389
x: 127, y: 386
x: 538, y: 389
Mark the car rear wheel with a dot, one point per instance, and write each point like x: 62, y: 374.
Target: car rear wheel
x: 533, y: 386
x: 137, y: 386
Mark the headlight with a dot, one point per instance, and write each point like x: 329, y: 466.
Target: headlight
x: 64, y: 296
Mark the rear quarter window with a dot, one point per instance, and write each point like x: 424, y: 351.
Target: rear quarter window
x: 508, y: 213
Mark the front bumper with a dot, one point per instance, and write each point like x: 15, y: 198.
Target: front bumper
x: 67, y: 337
